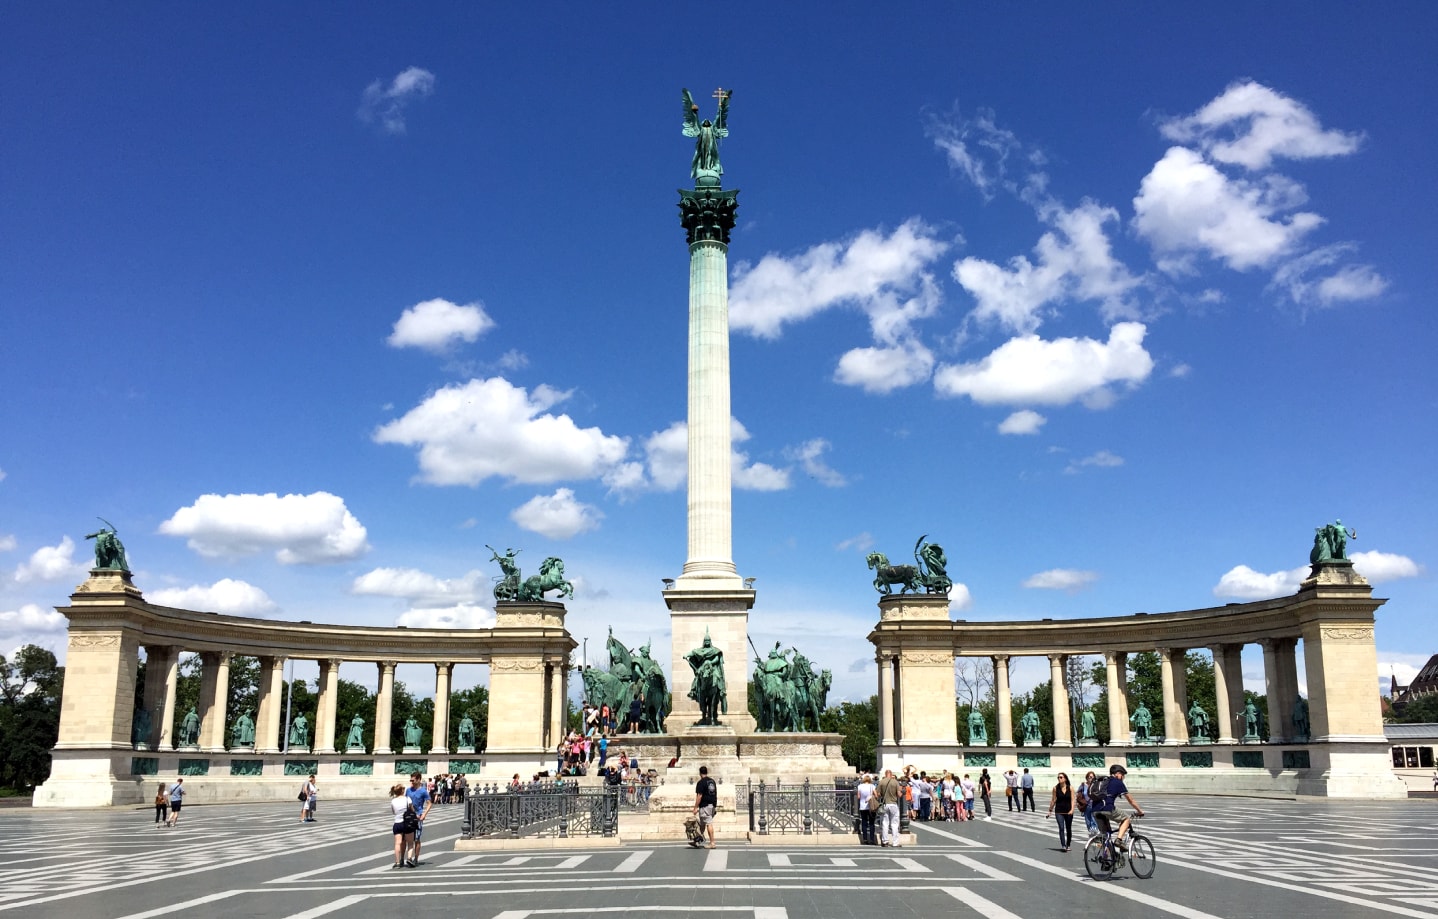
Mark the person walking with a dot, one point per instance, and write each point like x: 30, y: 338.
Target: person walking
x: 924, y: 793
x: 162, y: 807
x: 402, y: 823
x: 706, y: 802
x: 1011, y: 789
x: 311, y: 792
x: 177, y: 798
x: 967, y: 789
x: 1026, y: 785
x: 420, y: 800
x: 1061, y: 808
x: 867, y: 803
x: 986, y: 791
x: 890, y: 796
x: 1084, y: 801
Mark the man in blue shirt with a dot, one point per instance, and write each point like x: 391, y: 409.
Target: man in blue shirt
x: 1107, y: 809
x: 419, y: 799
x: 177, y: 798
x: 1026, y: 785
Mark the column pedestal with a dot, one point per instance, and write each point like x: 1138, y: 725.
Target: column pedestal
x: 724, y: 615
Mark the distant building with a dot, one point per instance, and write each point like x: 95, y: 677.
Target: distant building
x: 1412, y: 744
x: 1425, y: 683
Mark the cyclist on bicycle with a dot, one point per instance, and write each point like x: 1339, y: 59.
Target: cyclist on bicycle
x: 1107, y: 808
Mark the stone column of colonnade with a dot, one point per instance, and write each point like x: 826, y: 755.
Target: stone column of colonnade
x: 1114, y: 664
x: 159, y: 661
x: 214, y: 697
x: 1004, y: 716
x: 1174, y: 678
x: 885, y: 664
x: 1280, y: 672
x: 328, y: 703
x: 270, y: 714
x: 1063, y: 729
x: 384, y: 708
x: 1228, y: 686
x: 557, y: 694
x: 439, y: 731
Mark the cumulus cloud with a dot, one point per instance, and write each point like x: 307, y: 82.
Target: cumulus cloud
x: 7, y: 542
x: 1103, y: 459
x: 224, y: 596
x: 1029, y: 370
x: 1069, y: 579
x: 1348, y: 283
x: 885, y: 369
x: 469, y: 432
x: 31, y: 618
x: 436, y: 324
x: 558, y: 516
x: 300, y: 529
x: 1243, y: 583
x: 462, y: 616
x: 421, y: 586
x: 667, y: 459
x: 1249, y: 125
x: 1024, y: 421
x: 883, y: 275
x: 52, y: 563
x: 1074, y: 261
x: 383, y: 106
x: 1385, y: 566
x: 810, y: 457
x: 959, y: 596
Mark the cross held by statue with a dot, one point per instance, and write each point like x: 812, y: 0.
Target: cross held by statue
x: 721, y: 94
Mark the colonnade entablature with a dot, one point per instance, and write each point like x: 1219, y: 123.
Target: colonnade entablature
x: 528, y: 651
x: 916, y: 645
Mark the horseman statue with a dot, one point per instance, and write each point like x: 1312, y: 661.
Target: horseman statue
x: 631, y: 675
x: 790, y: 694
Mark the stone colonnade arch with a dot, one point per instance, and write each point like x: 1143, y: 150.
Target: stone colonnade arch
x: 98, y: 761
x: 1344, y: 754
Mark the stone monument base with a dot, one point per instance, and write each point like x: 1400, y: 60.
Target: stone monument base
x: 1088, y: 742
x: 299, y: 749
x: 241, y: 748
x: 359, y: 749
x: 464, y: 750
x: 410, y: 751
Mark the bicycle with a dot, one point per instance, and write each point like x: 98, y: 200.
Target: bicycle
x: 1102, y: 855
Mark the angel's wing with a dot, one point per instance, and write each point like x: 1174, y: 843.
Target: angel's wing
x: 691, y: 116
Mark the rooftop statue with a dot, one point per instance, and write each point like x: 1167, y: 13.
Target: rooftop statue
x: 707, y: 134
x: 1330, y: 543
x: 509, y: 586
x: 930, y: 574
x: 109, y: 551
x: 506, y: 586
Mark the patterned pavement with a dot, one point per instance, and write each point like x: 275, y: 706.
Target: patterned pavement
x: 1217, y: 857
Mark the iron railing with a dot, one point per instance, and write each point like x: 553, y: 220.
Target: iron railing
x: 805, y: 809
x: 543, y: 809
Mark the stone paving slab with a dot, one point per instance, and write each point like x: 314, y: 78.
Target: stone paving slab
x: 1217, y: 857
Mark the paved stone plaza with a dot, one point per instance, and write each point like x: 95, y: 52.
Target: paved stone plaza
x: 1227, y: 857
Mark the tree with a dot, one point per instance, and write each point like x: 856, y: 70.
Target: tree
x: 31, y: 684
x: 474, y: 703
x: 859, y: 723
x: 244, y: 690
x: 1422, y: 710
x: 352, y: 699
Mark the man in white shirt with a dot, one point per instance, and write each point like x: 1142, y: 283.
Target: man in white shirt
x: 865, y: 795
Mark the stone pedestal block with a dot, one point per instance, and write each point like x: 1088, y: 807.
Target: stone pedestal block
x: 724, y: 615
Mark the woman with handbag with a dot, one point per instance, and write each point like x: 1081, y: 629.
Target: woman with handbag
x: 403, y: 822
x: 162, y: 807
x: 868, y: 805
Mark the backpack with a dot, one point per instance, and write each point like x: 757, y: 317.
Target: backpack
x: 1097, y: 789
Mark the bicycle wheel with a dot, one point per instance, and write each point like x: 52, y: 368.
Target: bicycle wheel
x: 1140, y: 856
x: 1097, y: 860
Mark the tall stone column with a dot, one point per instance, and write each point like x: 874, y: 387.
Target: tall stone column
x: 1223, y: 703
x: 1172, y: 718
x: 328, y: 703
x: 272, y: 700
x: 1280, y: 702
x: 1003, y: 701
x: 1288, y: 673
x: 1063, y: 728
x: 556, y: 703
x: 167, y: 716
x: 157, y: 669
x: 1117, y: 725
x: 885, y: 664
x: 439, y: 732
x: 1125, y: 716
x: 384, y: 709
x: 214, y: 698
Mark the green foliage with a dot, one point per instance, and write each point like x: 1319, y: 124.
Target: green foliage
x: 1041, y: 700
x: 1422, y: 710
x: 31, y: 684
x: 187, y: 691
x: 475, y: 703
x: 353, y: 699
x: 244, y: 690
x: 859, y: 723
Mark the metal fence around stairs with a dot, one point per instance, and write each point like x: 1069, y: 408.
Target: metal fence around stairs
x: 550, y: 809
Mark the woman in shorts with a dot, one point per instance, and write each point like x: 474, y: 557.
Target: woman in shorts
x: 403, y: 837
x: 162, y: 806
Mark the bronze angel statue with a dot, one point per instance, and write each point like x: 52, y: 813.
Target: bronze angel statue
x: 706, y: 147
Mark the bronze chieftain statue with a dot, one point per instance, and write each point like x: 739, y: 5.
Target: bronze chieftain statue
x: 109, y: 551
x: 791, y: 695
x: 709, y: 688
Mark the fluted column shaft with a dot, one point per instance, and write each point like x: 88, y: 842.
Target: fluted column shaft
x: 328, y: 703
x: 1003, y: 701
x: 384, y: 708
x: 1063, y: 729
x: 272, y: 699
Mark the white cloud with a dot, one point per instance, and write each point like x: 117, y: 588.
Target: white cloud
x: 1024, y: 421
x: 1179, y: 371
x: 1385, y: 566
x: 1029, y: 370
x: 959, y: 596
x: 52, y: 563
x: 1243, y: 583
x: 757, y: 476
x: 463, y: 616
x: 557, y: 516
x: 1348, y: 283
x: 978, y: 149
x: 224, y: 596
x: 872, y: 271
x: 470, y: 432
x: 1075, y: 261
x: 1070, y: 579
x: 667, y: 453
x: 383, y: 106
x: 1249, y: 125
x: 809, y: 455
x: 436, y: 324
x: 421, y: 586
x: 300, y: 529
x: 7, y: 542
x: 32, y: 618
x: 1103, y: 459
x: 863, y: 542
x: 667, y: 457
x: 884, y: 369
x: 1185, y: 206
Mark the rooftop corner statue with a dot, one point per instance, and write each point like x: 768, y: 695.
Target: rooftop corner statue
x: 930, y: 574
x: 509, y: 586
x: 1330, y: 543
x: 706, y: 168
x: 109, y: 551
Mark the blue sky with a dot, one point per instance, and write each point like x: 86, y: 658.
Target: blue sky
x: 1116, y: 304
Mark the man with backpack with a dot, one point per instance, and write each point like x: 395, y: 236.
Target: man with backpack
x: 1106, y: 809
x: 706, y: 802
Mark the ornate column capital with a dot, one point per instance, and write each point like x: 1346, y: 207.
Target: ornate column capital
x: 1058, y: 659
x: 386, y: 666
x: 708, y: 214
x: 441, y: 668
x: 1000, y: 659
